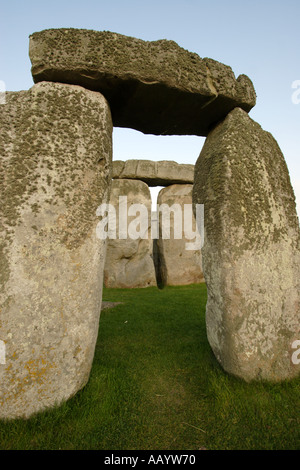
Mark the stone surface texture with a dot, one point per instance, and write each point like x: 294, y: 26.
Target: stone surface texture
x: 160, y: 173
x: 155, y: 87
x: 129, y: 262
x: 178, y: 265
x: 251, y: 258
x: 55, y: 168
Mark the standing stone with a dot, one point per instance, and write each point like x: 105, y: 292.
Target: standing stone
x: 55, y: 153
x: 178, y: 265
x: 251, y: 252
x: 155, y: 87
x: 129, y: 261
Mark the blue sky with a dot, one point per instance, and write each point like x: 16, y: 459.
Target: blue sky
x: 260, y: 38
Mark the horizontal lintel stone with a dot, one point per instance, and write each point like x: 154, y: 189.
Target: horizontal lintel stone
x: 156, y: 87
x: 161, y: 173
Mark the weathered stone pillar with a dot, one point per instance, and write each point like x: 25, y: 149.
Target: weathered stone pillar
x: 251, y: 257
x: 129, y: 259
x: 55, y: 152
x: 180, y: 253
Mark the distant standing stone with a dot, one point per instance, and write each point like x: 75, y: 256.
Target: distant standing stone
x: 129, y: 261
x: 251, y: 252
x: 155, y: 87
x: 178, y: 265
x: 55, y: 157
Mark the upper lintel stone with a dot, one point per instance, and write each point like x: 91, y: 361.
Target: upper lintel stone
x: 154, y: 87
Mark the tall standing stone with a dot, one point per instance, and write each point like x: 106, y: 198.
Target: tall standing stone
x: 129, y: 257
x: 251, y: 257
x: 180, y: 257
x: 55, y: 152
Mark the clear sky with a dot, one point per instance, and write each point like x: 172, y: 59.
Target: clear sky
x: 260, y: 38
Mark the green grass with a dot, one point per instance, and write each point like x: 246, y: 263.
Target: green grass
x: 155, y: 384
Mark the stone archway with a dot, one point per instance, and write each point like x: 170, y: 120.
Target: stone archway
x: 56, y: 154
x: 152, y: 259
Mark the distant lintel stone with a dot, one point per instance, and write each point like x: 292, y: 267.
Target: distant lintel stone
x: 161, y: 173
x: 154, y: 87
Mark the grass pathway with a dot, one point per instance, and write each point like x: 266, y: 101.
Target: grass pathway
x: 155, y: 384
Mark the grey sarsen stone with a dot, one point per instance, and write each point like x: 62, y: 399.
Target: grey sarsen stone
x: 178, y: 265
x: 160, y: 173
x: 129, y: 261
x: 155, y: 87
x: 55, y: 157
x: 251, y: 257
